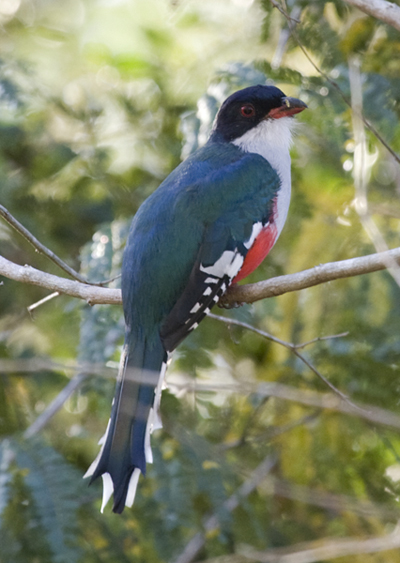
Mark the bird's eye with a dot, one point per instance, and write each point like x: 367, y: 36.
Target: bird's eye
x: 248, y: 110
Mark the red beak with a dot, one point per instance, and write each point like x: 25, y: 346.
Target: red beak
x: 290, y: 107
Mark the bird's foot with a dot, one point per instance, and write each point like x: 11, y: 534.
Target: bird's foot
x: 226, y: 303
x: 230, y: 305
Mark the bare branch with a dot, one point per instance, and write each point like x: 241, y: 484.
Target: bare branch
x: 311, y: 552
x: 329, y: 501
x: 292, y: 18
x: 323, y: 273
x: 91, y: 294
x: 43, y: 301
x: 326, y: 500
x: 324, y: 401
x: 284, y: 36
x: 330, y: 402
x: 212, y: 523
x: 55, y: 405
x: 382, y: 10
x: 37, y: 245
x: 300, y: 493
x: 385, y: 209
x: 248, y: 293
x: 292, y: 347
x: 320, y: 339
x: 42, y: 249
x: 33, y: 365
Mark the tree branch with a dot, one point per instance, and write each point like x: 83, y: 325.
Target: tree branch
x: 323, y: 273
x: 55, y: 405
x: 37, y: 245
x: 306, y: 397
x: 42, y: 249
x: 332, y: 502
x: 310, y: 552
x: 292, y: 347
x: 248, y: 293
x: 380, y: 9
x: 91, y: 294
x: 213, y: 522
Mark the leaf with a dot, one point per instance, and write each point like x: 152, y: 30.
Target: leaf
x: 56, y: 490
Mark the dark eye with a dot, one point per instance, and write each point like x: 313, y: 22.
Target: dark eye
x: 248, y: 110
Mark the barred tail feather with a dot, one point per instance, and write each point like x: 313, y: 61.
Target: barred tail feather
x: 125, y: 447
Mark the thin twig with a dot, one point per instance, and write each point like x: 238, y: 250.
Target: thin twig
x: 250, y: 423
x: 328, y: 501
x: 42, y: 249
x: 38, y: 246
x: 325, y: 401
x: 287, y: 345
x: 321, y: 339
x: 43, y: 301
x: 279, y: 487
x: 263, y: 333
x: 212, y: 523
x: 284, y: 37
x: 333, y: 83
x: 330, y: 402
x: 270, y: 434
x: 33, y: 365
x: 322, y: 377
x: 283, y: 12
x: 55, y: 405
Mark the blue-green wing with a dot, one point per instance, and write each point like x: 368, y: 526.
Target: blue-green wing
x: 189, y: 238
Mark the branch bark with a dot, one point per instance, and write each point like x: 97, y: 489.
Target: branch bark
x: 323, y: 273
x: 91, y: 294
x: 380, y: 9
x: 248, y: 293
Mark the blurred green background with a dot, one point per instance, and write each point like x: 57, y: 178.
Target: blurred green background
x: 99, y: 101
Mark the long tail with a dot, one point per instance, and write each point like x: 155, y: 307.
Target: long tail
x: 135, y: 414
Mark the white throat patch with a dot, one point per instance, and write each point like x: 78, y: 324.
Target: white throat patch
x: 271, y: 139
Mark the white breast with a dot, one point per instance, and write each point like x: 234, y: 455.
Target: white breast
x: 272, y: 139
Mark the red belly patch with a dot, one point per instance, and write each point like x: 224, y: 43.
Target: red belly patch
x: 256, y: 254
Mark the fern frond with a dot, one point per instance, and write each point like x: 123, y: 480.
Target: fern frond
x: 55, y: 488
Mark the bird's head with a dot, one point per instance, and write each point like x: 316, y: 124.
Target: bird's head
x: 248, y: 108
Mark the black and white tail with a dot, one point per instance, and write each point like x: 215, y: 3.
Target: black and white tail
x: 125, y: 447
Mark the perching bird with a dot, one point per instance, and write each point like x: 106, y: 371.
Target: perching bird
x: 209, y: 224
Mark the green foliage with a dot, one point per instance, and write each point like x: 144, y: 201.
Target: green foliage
x: 99, y: 101
x: 39, y: 520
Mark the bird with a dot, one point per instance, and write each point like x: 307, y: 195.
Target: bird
x: 209, y: 224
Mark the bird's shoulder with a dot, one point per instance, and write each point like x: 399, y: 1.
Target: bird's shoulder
x: 220, y: 162
x: 211, y: 180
